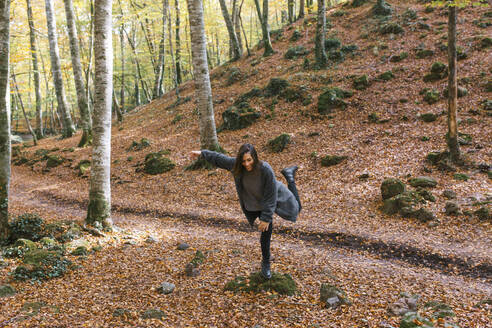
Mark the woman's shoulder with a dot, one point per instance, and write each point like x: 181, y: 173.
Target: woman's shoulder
x: 265, y: 167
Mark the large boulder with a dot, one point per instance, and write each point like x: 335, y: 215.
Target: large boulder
x: 392, y: 187
x: 275, y: 86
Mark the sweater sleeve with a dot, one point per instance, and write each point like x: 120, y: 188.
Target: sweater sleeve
x: 269, y: 201
x: 220, y: 160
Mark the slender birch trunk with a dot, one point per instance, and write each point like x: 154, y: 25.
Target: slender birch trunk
x: 99, y: 209
x: 452, y: 137
x: 290, y: 5
x: 77, y: 74
x: 122, y: 51
x: 179, y: 77
x: 203, y: 90
x: 301, y: 9
x: 265, y: 28
x: 171, y: 51
x: 21, y: 103
x: 89, y: 60
x: 236, y: 51
x: 68, y: 127
x: 34, y: 55
x: 4, y: 118
x: 160, y: 65
x: 319, y: 48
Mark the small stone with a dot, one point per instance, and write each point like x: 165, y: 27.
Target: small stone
x: 183, y: 246
x: 424, y: 215
x: 433, y: 224
x: 6, y: 291
x: 191, y: 270
x: 153, y: 314
x: 461, y: 177
x: 449, y: 194
x: 483, y: 213
x: 151, y: 240
x: 452, y: 208
x: 428, y: 117
x: 423, y: 181
x: 166, y: 288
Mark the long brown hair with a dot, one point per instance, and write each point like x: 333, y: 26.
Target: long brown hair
x: 238, y: 166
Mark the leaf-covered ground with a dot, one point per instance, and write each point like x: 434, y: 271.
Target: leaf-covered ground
x: 334, y: 199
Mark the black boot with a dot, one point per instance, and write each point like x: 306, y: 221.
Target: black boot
x: 289, y: 173
x: 265, y: 270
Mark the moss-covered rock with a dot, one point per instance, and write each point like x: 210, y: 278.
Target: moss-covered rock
x: 428, y: 117
x: 330, y: 160
x: 296, y: 35
x: 386, y: 76
x: 297, y: 93
x: 28, y: 226
x: 279, y: 143
x: 238, y: 117
x: 488, y: 85
x: 333, y: 296
x: 80, y: 251
x: 423, y: 182
x: 414, y: 320
x: 336, y: 56
x: 398, y: 58
x: 391, y: 28
x: 483, y: 213
x: 361, y: 82
x: 245, y: 97
x: 431, y: 97
x: 7, y: 290
x: 392, y: 187
x: 156, y: 163
x: 350, y: 48
x: 438, y: 71
x: 332, y: 99
x: 332, y: 44
x: 486, y: 42
x: 461, y: 92
x: 451, y: 208
x: 233, y: 75
x: 153, y: 314
x: 409, y: 14
x: 358, y: 3
x: 487, y: 105
x: 83, y: 167
x: 275, y: 86
x: 53, y: 161
x: 139, y: 145
x: 381, y: 8
x: 461, y: 53
x: 424, y: 53
x: 280, y: 283
x: 461, y: 177
x: 296, y: 51
x: 41, y: 264
x: 48, y: 243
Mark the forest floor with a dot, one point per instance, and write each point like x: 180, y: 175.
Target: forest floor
x: 341, y: 236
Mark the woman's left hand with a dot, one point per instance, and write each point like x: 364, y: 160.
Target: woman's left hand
x: 263, y: 226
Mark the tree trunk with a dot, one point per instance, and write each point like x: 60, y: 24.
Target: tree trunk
x: 290, y: 5
x: 245, y: 37
x: 203, y: 90
x: 117, y: 107
x: 4, y: 118
x: 319, y: 48
x: 37, y: 88
x: 99, y: 209
x: 77, y: 74
x: 89, y: 60
x: 265, y: 28
x: 237, y: 24
x: 160, y: 66
x: 28, y: 124
x: 122, y: 51
x: 301, y: 9
x: 68, y: 127
x: 137, y: 64
x: 230, y: 29
x: 171, y: 51
x: 452, y: 137
x: 179, y: 78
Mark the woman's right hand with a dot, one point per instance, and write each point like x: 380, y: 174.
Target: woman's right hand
x: 194, y: 154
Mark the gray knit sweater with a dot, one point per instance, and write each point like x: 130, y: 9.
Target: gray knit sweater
x: 276, y: 197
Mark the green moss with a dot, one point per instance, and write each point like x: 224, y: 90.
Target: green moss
x: 424, y: 53
x: 393, y: 28
x: 27, y: 226
x: 428, y: 117
x: 53, y: 161
x: 330, y: 160
x: 294, y: 52
x: 238, y: 117
x: 386, y: 76
x: 361, y: 82
x: 275, y: 86
x: 153, y: 314
x: 423, y: 181
x: 398, y: 58
x: 41, y: 264
x: 279, y: 143
x: 296, y: 35
x: 381, y: 8
x: 486, y: 42
x: 80, y: 251
x: 280, y: 283
x: 136, y: 146
x: 483, y: 213
x: 156, y: 163
x: 198, y: 258
x: 295, y: 93
x: 83, y: 167
x: 392, y: 187
x: 6, y: 291
x: 332, y: 43
x: 328, y: 292
x: 233, y: 75
x: 358, y: 3
x: 431, y: 97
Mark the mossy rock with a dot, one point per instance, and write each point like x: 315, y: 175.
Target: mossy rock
x: 276, y: 34
x: 296, y: 35
x: 361, y: 82
x: 7, y: 290
x: 423, y: 182
x: 238, y: 117
x: 153, y: 314
x: 233, y: 75
x: 424, y: 53
x: 41, y: 264
x: 428, y: 117
x: 358, y: 3
x: 399, y: 57
x: 461, y: 92
x: 331, y: 99
x: 488, y: 85
x: 487, y: 105
x: 53, y: 161
x: 483, y: 213
x: 139, y: 145
x: 336, y: 56
x: 294, y: 52
x: 156, y: 163
x: 410, y: 14
x: 438, y: 72
x: 48, y: 243
x: 391, y: 28
x: 333, y: 296
x: 426, y: 194
x: 461, y: 177
x: 280, y: 283
x: 350, y: 48
x: 275, y: 87
x: 332, y: 43
x: 381, y: 8
x: 486, y: 42
x: 461, y: 53
x: 386, y: 76
x: 83, y: 167
x: 338, y: 13
x: 330, y: 160
x: 80, y: 251
x: 28, y: 226
x: 295, y: 93
x: 414, y: 320
x: 392, y: 187
x: 198, y: 258
x: 279, y: 143
x: 431, y: 97
x: 245, y: 97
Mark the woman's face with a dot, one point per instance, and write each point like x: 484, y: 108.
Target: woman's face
x: 248, y: 161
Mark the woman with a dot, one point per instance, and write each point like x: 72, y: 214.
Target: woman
x: 260, y: 194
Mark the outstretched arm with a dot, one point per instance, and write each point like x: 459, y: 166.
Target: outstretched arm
x: 220, y: 160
